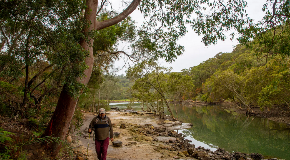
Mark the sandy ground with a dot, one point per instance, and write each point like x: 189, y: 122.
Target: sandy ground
x: 130, y: 149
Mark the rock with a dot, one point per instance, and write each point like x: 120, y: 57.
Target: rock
x: 147, y: 138
x: 200, y: 154
x: 220, y: 150
x: 129, y: 139
x: 160, y: 129
x: 116, y: 134
x: 256, y: 156
x: 190, y: 151
x: 185, y: 153
x: 123, y: 126
x: 131, y: 143
x: 168, y: 122
x: 115, y: 108
x: 180, y: 154
x: 163, y: 146
x: 177, y: 123
x: 79, y: 158
x: 69, y: 139
x: 165, y: 139
x: 239, y: 155
x: 185, y: 125
x: 117, y: 143
x: 167, y: 125
x: 172, y: 134
x: 148, y: 125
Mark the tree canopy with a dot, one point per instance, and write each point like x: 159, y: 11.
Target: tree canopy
x: 51, y: 49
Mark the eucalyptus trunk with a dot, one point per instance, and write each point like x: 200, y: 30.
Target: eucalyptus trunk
x: 62, y: 116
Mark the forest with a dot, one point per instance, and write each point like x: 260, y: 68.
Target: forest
x: 56, y: 58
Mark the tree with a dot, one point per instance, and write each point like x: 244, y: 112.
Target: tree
x: 27, y: 35
x: 60, y: 121
x: 179, y: 86
x: 166, y: 22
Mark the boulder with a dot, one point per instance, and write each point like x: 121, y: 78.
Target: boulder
x: 117, y: 143
x: 116, y: 134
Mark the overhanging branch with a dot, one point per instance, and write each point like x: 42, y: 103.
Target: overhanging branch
x: 118, y: 18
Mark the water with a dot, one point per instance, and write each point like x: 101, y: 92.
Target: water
x: 126, y: 105
x: 214, y: 128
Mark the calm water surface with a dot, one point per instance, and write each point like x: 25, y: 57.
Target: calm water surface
x: 226, y: 129
x: 214, y: 128
x: 125, y: 105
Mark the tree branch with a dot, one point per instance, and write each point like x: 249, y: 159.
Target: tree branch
x: 38, y: 74
x: 119, y: 18
x: 102, y: 5
x: 117, y: 52
x: 47, y: 78
x: 274, y: 11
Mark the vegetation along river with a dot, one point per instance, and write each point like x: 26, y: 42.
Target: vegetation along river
x: 214, y: 127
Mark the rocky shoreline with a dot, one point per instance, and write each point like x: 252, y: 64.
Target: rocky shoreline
x: 170, y: 140
x: 133, y: 131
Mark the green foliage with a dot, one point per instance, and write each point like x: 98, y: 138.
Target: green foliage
x: 5, y: 136
x: 107, y: 38
x: 180, y: 86
x: 154, y: 85
x: 5, y: 139
x: 245, y: 77
x: 222, y: 85
x: 77, y: 120
x: 167, y: 21
x: 39, y: 51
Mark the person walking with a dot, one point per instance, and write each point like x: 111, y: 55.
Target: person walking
x: 102, y: 126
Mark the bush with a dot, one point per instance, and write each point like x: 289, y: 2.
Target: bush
x: 5, y: 139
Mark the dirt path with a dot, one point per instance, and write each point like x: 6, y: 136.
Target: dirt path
x: 131, y: 149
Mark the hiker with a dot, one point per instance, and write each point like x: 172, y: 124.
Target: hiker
x: 102, y: 126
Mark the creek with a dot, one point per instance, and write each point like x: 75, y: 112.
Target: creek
x: 214, y: 127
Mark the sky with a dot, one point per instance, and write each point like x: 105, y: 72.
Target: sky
x: 195, y: 51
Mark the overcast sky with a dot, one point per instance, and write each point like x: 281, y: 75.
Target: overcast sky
x: 195, y: 51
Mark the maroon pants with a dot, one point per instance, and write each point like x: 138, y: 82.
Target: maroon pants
x: 101, y: 148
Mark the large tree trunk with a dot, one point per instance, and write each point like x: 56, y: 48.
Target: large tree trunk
x: 60, y: 121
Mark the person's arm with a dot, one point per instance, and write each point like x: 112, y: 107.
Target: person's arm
x: 111, y: 129
x: 92, y: 124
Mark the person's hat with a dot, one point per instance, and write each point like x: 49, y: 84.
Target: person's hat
x: 102, y: 110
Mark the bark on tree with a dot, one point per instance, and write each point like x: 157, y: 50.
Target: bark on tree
x: 60, y: 121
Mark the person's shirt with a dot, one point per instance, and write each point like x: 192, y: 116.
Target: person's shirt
x: 102, y: 127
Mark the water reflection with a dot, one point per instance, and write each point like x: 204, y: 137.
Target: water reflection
x: 226, y: 129
x: 127, y: 105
